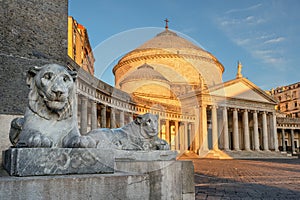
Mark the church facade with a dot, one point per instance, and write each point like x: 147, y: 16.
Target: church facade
x: 182, y: 83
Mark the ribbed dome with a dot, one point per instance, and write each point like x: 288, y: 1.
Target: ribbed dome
x: 168, y: 39
x: 144, y: 72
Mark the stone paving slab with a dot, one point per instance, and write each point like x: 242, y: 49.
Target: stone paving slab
x: 247, y: 179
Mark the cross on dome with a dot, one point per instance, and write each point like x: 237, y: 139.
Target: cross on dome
x: 166, y: 20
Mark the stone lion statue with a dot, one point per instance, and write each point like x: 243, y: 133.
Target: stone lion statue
x: 50, y: 119
x: 140, y: 134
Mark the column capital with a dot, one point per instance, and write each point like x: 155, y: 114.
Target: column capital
x: 203, y: 106
x: 225, y: 108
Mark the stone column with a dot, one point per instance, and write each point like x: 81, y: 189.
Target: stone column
x: 131, y: 117
x: 265, y: 131
x: 186, y: 131
x: 214, y: 120
x: 246, y: 130
x: 225, y: 128
x: 236, y: 145
x: 283, y: 141
x: 275, y: 137
x: 203, y: 122
x: 122, y: 121
x: 181, y: 137
x: 256, y: 135
x: 197, y: 128
x: 177, y: 136
x: 112, y: 118
x: 168, y: 135
x: 293, y: 140
x: 103, y: 116
x: 94, y: 115
x: 83, y: 115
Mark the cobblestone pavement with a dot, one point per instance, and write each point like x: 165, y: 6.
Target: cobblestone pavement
x: 247, y: 179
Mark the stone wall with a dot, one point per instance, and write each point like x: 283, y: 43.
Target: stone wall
x: 32, y: 33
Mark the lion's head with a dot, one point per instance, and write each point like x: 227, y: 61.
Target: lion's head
x: 149, y: 124
x: 52, y: 91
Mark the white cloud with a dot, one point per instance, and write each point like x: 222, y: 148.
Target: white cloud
x: 268, y: 56
x: 244, y: 9
x: 242, y: 42
x: 275, y: 40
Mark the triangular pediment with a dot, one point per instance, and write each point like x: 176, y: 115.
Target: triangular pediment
x: 242, y: 89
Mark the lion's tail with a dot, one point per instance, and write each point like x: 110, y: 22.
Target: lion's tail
x: 15, y: 129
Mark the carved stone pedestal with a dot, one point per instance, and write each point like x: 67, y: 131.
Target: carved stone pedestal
x: 54, y: 161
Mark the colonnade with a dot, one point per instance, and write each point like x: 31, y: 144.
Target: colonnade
x: 95, y: 115
x: 237, y: 129
x: 214, y: 127
x: 289, y: 138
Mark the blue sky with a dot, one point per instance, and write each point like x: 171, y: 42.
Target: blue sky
x: 263, y: 35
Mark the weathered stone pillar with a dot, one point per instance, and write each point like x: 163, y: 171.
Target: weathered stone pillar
x: 225, y: 129
x: 283, y: 141
x: 94, y: 115
x: 203, y: 121
x: 256, y: 135
x: 293, y: 140
x: 246, y: 130
x: 83, y: 115
x: 122, y: 118
x: 112, y: 118
x: 265, y: 131
x: 214, y: 120
x: 236, y: 145
x: 275, y: 137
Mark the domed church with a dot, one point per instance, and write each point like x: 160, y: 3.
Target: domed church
x: 170, y: 74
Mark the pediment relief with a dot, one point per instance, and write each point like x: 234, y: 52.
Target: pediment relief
x: 242, y: 89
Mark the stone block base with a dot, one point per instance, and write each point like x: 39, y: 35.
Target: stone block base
x: 72, y: 187
x: 168, y: 179
x: 54, y: 161
x: 122, y: 155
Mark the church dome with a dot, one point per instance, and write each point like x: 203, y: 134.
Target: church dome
x: 169, y: 58
x: 168, y: 39
x: 144, y: 72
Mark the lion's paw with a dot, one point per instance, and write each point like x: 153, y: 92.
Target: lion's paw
x: 162, y: 145
x: 39, y: 140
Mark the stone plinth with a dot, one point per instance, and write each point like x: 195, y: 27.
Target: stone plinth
x: 74, y: 187
x: 171, y: 179
x: 53, y: 161
x: 158, y: 155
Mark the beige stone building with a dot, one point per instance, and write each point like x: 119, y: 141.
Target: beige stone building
x: 79, y: 48
x: 288, y: 98
x: 170, y: 73
x: 182, y: 83
x: 288, y: 124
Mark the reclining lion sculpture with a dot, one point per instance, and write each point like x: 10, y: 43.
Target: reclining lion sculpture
x: 140, y: 134
x: 50, y: 119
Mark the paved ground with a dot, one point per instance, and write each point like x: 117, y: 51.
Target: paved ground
x: 247, y: 179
